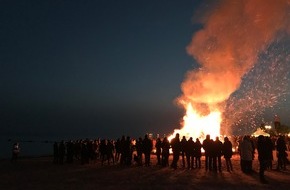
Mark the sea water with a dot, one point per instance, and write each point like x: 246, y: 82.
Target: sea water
x: 28, y: 146
x: 32, y: 146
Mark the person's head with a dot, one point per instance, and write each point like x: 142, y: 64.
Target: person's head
x: 226, y: 139
x: 261, y: 138
x: 177, y: 135
x: 246, y: 138
x: 207, y: 136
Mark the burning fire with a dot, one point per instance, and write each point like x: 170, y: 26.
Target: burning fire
x: 198, y: 126
x: 227, y: 47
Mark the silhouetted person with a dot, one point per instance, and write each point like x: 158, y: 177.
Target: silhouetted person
x: 277, y: 123
x: 122, y: 149
x: 103, y: 150
x: 217, y: 154
x: 128, y: 151
x: 84, y: 152
x: 91, y: 149
x: 176, y: 148
x: 183, y: 143
x: 118, y: 150
x: 109, y: 151
x: 15, y: 152
x: 147, y: 148
x: 262, y: 157
x: 61, y: 152
x: 212, y: 154
x: 246, y: 154
x: 95, y: 150
x: 158, y: 150
x: 270, y: 148
x: 139, y: 149
x: 98, y: 142
x: 77, y: 149
x: 55, y: 153
x: 189, y: 152
x: 207, y: 146
x: 281, y: 153
x: 197, y: 153
x: 70, y: 152
x: 165, y: 145
x: 228, y: 153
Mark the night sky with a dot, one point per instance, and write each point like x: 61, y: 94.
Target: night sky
x: 99, y: 68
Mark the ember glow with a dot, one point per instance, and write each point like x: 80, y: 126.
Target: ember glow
x: 228, y: 46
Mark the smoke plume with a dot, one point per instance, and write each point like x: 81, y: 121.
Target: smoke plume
x: 228, y: 46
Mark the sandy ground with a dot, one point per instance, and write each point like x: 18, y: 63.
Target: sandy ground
x: 41, y: 173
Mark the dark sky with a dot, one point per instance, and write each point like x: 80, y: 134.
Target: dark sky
x: 98, y: 68
x: 105, y: 68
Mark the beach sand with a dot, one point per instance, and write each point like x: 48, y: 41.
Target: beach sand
x: 40, y: 173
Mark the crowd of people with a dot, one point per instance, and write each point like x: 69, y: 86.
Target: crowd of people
x: 127, y: 151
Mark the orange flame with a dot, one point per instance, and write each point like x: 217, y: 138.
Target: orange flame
x: 198, y: 126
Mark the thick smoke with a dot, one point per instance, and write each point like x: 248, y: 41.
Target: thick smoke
x: 234, y: 34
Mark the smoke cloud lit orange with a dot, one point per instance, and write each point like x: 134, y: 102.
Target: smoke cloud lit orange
x: 234, y: 34
x: 229, y: 44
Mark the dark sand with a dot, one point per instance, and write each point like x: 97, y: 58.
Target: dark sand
x: 41, y: 173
